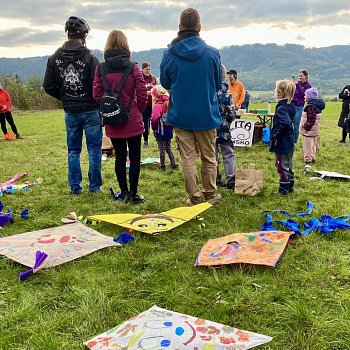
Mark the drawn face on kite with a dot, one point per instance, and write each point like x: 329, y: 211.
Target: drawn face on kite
x: 176, y: 334
x: 49, y: 239
x: 156, y: 222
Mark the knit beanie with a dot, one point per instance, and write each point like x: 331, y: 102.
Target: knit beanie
x: 311, y: 93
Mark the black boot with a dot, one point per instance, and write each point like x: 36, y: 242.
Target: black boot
x: 135, y: 198
x: 284, y: 188
x: 291, y: 186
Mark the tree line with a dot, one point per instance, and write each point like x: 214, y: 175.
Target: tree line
x: 28, y: 95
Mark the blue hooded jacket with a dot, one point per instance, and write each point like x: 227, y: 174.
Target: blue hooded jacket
x: 191, y: 69
x: 282, y: 133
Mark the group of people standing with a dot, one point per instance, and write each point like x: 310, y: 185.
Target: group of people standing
x: 72, y: 76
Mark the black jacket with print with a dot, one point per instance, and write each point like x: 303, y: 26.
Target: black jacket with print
x: 69, y: 76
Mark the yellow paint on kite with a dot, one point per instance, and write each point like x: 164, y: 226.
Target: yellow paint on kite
x: 154, y: 223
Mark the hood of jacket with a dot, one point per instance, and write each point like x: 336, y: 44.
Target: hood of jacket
x: 71, y: 51
x: 162, y: 98
x: 190, y: 49
x: 290, y: 106
x: 318, y: 103
x: 117, y: 59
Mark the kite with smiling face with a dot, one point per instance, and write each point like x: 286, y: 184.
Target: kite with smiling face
x: 159, y: 329
x: 154, y: 223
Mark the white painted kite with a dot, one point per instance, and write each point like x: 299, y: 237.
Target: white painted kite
x: 157, y: 329
x: 53, y: 246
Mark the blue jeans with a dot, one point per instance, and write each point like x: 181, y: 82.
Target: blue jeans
x: 76, y: 123
x: 296, y: 122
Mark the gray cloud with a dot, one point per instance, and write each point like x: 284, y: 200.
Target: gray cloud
x: 300, y: 38
x: 159, y: 15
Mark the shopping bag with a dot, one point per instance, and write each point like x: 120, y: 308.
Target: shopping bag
x: 249, y: 181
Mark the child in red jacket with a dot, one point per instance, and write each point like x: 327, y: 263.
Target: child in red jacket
x: 5, y: 114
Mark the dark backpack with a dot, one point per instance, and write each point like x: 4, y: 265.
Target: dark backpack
x: 111, y: 107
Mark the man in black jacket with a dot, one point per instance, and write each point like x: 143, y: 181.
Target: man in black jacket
x: 69, y: 77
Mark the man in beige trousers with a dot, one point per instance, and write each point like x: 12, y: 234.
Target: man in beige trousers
x: 191, y: 69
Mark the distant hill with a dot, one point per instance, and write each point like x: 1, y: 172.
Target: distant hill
x: 258, y: 65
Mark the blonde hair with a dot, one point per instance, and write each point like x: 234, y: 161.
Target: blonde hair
x: 117, y: 40
x: 160, y: 90
x: 286, y: 88
x: 223, y: 72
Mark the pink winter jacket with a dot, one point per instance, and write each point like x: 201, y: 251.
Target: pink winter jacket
x: 157, y: 110
x: 313, y: 129
x: 134, y: 86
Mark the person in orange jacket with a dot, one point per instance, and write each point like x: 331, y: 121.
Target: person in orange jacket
x: 5, y: 114
x: 236, y: 88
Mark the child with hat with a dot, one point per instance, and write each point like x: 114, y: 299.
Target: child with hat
x: 310, y: 124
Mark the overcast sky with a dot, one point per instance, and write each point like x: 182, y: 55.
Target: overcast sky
x: 36, y: 27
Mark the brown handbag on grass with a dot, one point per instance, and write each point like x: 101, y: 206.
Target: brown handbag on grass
x: 249, y: 181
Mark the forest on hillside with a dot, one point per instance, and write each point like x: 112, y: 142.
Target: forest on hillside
x: 258, y: 67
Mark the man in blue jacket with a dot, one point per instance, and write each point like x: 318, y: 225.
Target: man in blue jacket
x: 191, y: 69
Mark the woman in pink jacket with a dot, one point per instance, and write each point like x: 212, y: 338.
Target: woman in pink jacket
x: 126, y: 137
x: 5, y: 114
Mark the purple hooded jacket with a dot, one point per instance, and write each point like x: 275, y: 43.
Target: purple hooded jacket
x: 299, y: 94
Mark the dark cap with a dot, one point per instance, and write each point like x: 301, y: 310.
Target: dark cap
x: 232, y: 71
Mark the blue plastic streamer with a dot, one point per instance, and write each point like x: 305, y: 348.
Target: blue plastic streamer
x: 326, y: 224
x: 309, y: 204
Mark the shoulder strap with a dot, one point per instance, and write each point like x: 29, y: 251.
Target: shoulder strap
x: 102, y: 74
x: 124, y: 77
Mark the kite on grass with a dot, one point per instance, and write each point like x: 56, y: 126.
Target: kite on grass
x: 9, y: 186
x: 154, y: 223
x: 159, y: 329
x: 53, y: 246
x: 258, y: 248
x: 331, y: 175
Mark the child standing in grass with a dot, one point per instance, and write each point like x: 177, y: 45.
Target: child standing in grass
x: 310, y: 124
x: 163, y: 132
x: 224, y: 144
x: 282, y: 135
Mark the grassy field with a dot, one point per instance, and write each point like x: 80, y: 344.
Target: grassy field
x: 303, y: 303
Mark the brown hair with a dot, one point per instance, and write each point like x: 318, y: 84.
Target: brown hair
x: 189, y: 19
x: 286, y: 88
x: 145, y: 65
x: 117, y: 40
x: 305, y: 72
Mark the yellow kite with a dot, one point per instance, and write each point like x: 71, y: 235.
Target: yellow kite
x: 154, y: 223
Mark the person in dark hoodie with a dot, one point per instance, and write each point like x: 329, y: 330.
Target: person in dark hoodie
x: 192, y: 71
x: 310, y: 124
x: 68, y: 77
x: 344, y: 115
x: 126, y: 137
x: 282, y: 135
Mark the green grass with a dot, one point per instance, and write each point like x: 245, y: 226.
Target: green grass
x: 303, y: 303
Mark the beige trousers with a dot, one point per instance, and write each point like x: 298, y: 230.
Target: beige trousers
x: 311, y: 147
x: 186, y: 141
